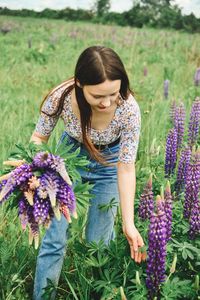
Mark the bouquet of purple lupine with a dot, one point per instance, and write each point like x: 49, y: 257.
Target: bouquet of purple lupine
x: 43, y: 190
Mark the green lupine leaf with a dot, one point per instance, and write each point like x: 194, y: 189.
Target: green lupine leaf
x: 184, y: 254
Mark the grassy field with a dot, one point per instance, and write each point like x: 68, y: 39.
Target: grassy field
x: 38, y: 54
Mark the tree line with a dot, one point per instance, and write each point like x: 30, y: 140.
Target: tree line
x: 151, y: 13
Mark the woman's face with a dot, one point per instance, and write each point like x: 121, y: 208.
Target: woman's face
x: 103, y: 96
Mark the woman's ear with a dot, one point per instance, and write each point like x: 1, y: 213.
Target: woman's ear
x: 78, y: 83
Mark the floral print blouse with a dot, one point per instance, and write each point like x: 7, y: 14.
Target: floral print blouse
x: 125, y: 124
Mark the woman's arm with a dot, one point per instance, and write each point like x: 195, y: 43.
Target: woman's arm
x: 126, y: 185
x: 38, y: 138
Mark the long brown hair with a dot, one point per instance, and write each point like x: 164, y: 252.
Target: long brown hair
x: 95, y: 65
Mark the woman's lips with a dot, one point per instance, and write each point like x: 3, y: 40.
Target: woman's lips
x: 101, y: 107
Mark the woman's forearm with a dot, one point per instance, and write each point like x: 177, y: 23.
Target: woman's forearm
x: 126, y: 185
x: 38, y: 139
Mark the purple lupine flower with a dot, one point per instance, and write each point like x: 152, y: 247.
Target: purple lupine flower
x: 194, y: 221
x: 41, y: 190
x: 182, y: 170
x: 66, y: 196
x: 34, y: 234
x: 168, y: 210
x: 173, y: 107
x: 192, y: 186
x: 34, y: 226
x: 160, y: 204
x: 2, y: 183
x: 22, y: 208
x: 179, y: 120
x: 41, y: 209
x: 145, y: 71
x: 171, y: 152
x: 194, y: 123
x: 26, y: 214
x: 166, y: 88
x: 51, y: 181
x: 18, y: 176
x: 42, y: 160
x: 157, y: 241
x: 146, y: 205
x: 53, y: 162
x: 197, y: 77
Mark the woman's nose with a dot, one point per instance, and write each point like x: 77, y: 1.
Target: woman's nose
x: 106, y: 102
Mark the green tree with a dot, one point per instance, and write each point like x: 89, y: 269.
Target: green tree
x: 102, y: 7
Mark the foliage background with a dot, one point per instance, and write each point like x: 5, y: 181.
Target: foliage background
x: 151, y: 13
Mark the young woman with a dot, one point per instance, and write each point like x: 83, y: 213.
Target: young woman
x: 101, y: 117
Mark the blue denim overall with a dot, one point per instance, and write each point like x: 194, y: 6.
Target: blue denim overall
x: 100, y: 224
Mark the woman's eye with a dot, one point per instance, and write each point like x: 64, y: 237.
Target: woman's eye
x: 99, y: 97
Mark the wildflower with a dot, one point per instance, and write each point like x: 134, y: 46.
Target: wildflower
x: 145, y: 71
x: 17, y: 177
x: 41, y: 209
x: 2, y: 183
x: 33, y: 182
x: 66, y: 196
x: 173, y: 107
x: 65, y: 211
x: 157, y: 241
x: 146, y: 206
x: 171, y: 152
x: 51, y: 185
x: 192, y: 195
x: 194, y: 123
x: 14, y: 163
x: 22, y: 206
x: 197, y: 77
x: 179, y: 120
x: 42, y: 196
x: 182, y: 170
x: 53, y: 162
x: 192, y: 184
x: 166, y: 88
x: 29, y: 196
x: 194, y: 221
x: 34, y: 234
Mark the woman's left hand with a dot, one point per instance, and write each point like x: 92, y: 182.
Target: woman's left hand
x: 135, y: 241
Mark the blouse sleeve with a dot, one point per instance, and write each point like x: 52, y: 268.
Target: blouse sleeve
x: 130, y: 131
x: 46, y: 122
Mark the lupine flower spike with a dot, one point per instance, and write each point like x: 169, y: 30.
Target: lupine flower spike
x: 179, y: 120
x: 17, y: 177
x: 182, y: 170
x: 50, y: 161
x: 146, y: 206
x: 166, y: 88
x: 192, y: 200
x: 5, y: 177
x: 194, y: 123
x: 145, y: 71
x: 171, y: 152
x: 14, y: 163
x: 197, y: 77
x: 173, y: 107
x: 157, y: 241
x: 192, y: 185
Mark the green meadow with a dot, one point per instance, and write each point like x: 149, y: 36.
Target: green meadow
x: 38, y: 54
